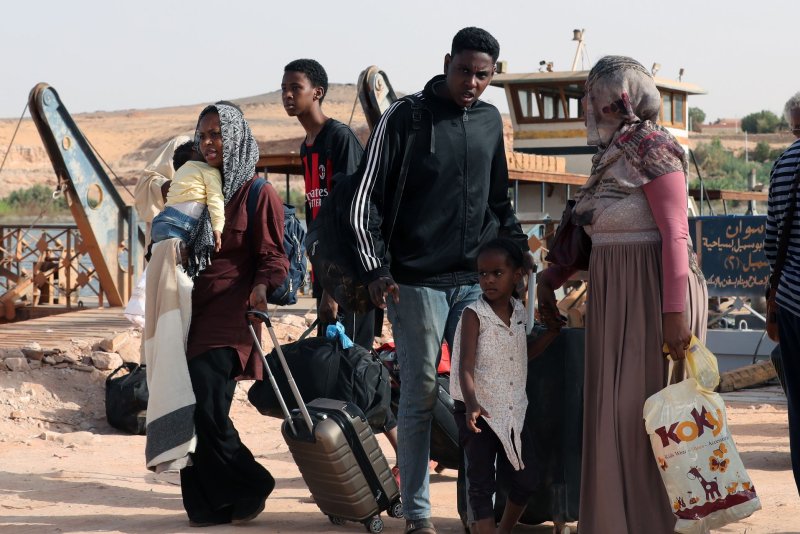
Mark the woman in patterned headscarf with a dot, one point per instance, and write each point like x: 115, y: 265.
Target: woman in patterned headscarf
x: 645, y: 290
x: 225, y: 484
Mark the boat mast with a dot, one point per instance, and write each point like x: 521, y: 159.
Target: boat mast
x: 577, y: 35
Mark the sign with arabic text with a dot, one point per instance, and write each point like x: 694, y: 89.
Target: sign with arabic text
x: 730, y: 251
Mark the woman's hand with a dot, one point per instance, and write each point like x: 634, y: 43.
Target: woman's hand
x: 258, y: 298
x: 677, y: 335
x: 328, y: 309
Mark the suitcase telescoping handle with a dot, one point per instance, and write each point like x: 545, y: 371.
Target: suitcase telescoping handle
x: 264, y: 318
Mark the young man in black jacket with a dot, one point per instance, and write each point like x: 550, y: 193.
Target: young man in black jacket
x: 454, y: 200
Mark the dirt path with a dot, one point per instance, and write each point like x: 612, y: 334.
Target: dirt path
x: 63, y: 469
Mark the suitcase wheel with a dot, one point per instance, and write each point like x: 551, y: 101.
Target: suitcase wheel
x: 374, y: 525
x: 338, y: 521
x: 396, y: 509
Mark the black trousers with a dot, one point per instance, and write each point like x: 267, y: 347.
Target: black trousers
x: 789, y: 325
x: 225, y: 482
x: 482, y: 450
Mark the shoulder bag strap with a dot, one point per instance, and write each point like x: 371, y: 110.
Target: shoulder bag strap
x: 309, y: 330
x: 252, y: 199
x: 786, y: 230
x: 416, y: 120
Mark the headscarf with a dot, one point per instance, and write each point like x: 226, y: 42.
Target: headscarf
x: 622, y: 105
x: 239, y: 158
x: 619, y: 93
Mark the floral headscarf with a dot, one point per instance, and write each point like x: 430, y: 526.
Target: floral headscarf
x: 622, y: 105
x: 620, y: 93
x: 239, y: 158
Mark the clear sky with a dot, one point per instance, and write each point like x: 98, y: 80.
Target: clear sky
x: 121, y: 54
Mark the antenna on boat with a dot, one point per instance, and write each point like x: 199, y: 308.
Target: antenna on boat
x: 580, y: 52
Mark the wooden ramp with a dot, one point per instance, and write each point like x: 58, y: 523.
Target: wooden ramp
x: 58, y: 331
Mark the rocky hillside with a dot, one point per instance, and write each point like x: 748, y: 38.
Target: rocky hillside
x: 126, y: 139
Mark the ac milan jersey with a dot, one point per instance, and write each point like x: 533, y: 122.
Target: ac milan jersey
x: 336, y: 149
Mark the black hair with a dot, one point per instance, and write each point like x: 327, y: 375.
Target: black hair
x: 476, y: 39
x: 314, y: 72
x: 512, y: 251
x: 182, y: 154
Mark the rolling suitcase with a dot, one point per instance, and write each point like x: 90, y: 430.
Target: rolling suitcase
x: 333, y: 446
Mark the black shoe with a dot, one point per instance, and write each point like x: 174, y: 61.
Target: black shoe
x: 247, y: 510
x: 249, y: 516
x: 219, y: 517
x: 193, y: 523
x: 419, y: 526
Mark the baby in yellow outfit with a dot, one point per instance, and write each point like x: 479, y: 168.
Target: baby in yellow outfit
x: 195, y: 185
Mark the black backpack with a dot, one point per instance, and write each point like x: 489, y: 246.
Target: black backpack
x: 293, y: 244
x: 330, y: 241
x: 126, y: 398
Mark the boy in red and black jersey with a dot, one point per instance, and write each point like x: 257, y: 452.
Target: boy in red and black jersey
x: 330, y: 147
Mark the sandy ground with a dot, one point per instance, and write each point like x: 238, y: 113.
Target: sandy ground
x: 64, y: 469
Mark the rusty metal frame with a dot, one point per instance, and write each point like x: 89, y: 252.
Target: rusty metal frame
x: 45, y: 264
x: 109, y: 231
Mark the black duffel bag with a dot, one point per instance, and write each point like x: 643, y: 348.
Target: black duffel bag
x: 126, y: 398
x: 323, y: 369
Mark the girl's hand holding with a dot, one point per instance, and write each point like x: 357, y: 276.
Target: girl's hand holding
x: 548, y: 308
x: 472, y: 414
x: 217, y: 240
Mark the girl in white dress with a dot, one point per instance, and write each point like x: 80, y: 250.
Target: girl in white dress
x: 489, y: 372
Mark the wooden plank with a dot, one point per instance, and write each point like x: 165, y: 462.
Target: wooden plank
x: 747, y: 376
x: 59, y: 330
x: 728, y: 194
x: 281, y: 163
x: 548, y: 177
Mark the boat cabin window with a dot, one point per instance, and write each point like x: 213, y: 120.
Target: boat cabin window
x: 529, y: 107
x: 544, y: 103
x: 673, y: 109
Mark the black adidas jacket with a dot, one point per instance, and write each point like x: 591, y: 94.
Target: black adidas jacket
x: 455, y: 197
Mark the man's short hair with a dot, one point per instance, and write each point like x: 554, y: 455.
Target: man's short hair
x: 476, y: 39
x: 792, y: 104
x: 314, y: 72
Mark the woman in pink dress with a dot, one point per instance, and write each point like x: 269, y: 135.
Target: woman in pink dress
x: 645, y: 290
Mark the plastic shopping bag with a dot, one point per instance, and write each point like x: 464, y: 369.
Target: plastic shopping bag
x: 134, y: 311
x: 705, y: 479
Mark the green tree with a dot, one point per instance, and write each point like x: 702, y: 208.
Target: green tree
x: 697, y: 117
x: 33, y: 200
x: 762, y: 122
x: 722, y: 169
x: 761, y: 152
